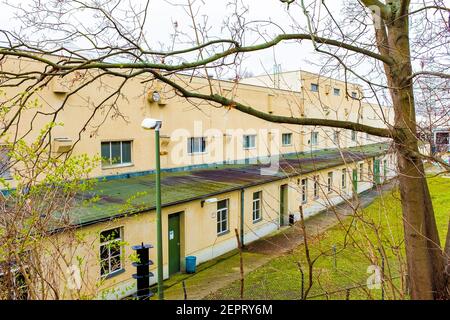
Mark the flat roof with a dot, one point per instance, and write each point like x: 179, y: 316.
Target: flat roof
x: 122, y: 197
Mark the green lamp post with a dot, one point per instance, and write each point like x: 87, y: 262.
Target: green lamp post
x: 154, y: 124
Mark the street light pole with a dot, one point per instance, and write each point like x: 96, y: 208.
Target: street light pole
x: 155, y: 124
x: 159, y: 248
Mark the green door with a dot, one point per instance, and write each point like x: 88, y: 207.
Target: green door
x: 174, y: 243
x: 355, y: 179
x: 376, y: 171
x: 384, y: 170
x: 283, y: 204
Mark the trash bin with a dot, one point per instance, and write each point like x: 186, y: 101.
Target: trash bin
x: 191, y: 264
x: 291, y: 219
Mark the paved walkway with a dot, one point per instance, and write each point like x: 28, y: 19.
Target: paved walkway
x: 218, y: 273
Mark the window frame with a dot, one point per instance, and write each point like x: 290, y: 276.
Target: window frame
x: 283, y: 142
x: 344, y: 178
x: 361, y: 171
x: 108, y: 244
x: 4, y: 155
x: 191, y: 145
x: 219, y: 219
x: 115, y: 165
x: 316, y: 187
x: 248, y: 147
x: 304, y: 188
x: 338, y: 92
x: 314, y: 85
x: 257, y: 210
x: 330, y: 182
x: 316, y: 135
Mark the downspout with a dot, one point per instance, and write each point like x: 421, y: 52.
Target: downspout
x: 242, y: 218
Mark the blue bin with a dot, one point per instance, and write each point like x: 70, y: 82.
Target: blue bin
x: 191, y: 262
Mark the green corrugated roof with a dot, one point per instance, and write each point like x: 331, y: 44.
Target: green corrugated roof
x: 119, y: 197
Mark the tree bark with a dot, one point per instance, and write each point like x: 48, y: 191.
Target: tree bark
x: 424, y: 255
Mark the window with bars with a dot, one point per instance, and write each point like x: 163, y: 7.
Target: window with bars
x: 111, y: 251
x: 249, y: 141
x: 115, y: 153
x: 286, y: 139
x: 257, y: 198
x: 196, y: 145
x: 222, y: 217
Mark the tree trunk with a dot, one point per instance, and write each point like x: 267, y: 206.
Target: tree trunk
x: 424, y: 255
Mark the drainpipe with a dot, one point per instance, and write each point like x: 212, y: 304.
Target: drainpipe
x: 242, y: 217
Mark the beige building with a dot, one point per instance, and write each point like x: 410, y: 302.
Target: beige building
x: 215, y: 161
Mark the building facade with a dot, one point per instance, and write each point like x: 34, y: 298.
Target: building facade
x: 214, y: 160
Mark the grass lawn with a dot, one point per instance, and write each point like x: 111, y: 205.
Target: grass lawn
x: 358, y: 243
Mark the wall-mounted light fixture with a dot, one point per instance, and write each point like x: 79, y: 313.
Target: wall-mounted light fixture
x: 210, y: 200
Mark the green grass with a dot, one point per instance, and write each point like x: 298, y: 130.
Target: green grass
x: 356, y: 250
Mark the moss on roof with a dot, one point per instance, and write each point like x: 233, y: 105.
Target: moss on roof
x: 120, y: 197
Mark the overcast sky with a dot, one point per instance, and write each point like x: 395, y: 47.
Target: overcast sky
x: 163, y: 14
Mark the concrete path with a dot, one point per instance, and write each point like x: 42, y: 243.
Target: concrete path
x: 218, y: 273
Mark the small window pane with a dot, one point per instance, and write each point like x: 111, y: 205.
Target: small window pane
x: 105, y: 153
x: 222, y: 204
x: 115, y: 152
x: 126, y: 152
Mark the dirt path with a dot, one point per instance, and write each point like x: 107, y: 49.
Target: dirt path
x: 214, y: 275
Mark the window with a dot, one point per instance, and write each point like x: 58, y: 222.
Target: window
x: 5, y: 162
x: 344, y: 179
x: 361, y: 171
x: 222, y: 216
x: 354, y: 135
x: 116, y: 153
x: 354, y: 95
x: 337, y: 92
x: 330, y: 182
x: 316, y: 187
x: 249, y: 141
x: 314, y: 87
x: 336, y: 135
x: 257, y: 206
x: 286, y: 139
x: 314, y: 138
x: 196, y: 145
x: 14, y: 288
x: 110, y: 251
x: 304, y: 190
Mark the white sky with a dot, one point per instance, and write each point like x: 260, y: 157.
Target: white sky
x: 162, y: 15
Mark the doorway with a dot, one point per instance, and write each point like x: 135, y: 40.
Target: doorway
x: 284, y: 218
x: 174, y: 243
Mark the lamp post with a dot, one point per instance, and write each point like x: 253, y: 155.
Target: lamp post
x: 154, y: 124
